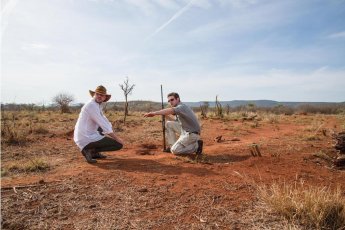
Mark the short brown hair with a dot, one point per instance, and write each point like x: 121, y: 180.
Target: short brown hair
x: 175, y: 95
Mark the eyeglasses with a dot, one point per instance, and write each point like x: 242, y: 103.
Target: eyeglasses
x: 172, y: 99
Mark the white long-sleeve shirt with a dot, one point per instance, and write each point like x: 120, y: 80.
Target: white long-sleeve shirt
x: 90, y: 118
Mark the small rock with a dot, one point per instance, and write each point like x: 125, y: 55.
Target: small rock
x: 218, y: 139
x: 92, y: 206
x: 235, y: 139
x: 143, y: 190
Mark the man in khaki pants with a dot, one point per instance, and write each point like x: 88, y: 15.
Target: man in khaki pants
x: 187, y: 126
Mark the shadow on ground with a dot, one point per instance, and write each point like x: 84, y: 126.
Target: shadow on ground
x: 211, y: 159
x: 225, y: 158
x: 151, y: 166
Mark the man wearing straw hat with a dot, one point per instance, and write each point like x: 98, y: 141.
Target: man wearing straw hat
x: 93, y: 133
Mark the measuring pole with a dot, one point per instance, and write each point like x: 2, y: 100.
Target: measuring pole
x: 163, y: 120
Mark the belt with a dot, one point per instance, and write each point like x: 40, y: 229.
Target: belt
x: 195, y: 133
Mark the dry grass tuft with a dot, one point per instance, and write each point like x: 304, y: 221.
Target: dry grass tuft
x: 312, y: 207
x: 17, y: 128
x: 12, y: 132
x: 272, y: 118
x: 41, y: 130
x: 312, y: 137
x: 37, y: 165
x: 33, y: 165
x: 323, y: 156
x: 4, y: 172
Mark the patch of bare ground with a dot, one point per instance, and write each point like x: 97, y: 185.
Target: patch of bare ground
x: 140, y: 187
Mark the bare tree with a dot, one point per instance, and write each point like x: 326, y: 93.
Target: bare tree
x: 63, y: 100
x: 219, y: 108
x: 227, y: 109
x: 204, y: 109
x: 127, y: 89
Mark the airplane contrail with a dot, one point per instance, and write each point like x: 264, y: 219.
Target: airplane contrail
x: 173, y: 18
x: 5, y: 13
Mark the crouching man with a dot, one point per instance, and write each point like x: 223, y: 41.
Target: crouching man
x: 186, y: 126
x: 93, y: 133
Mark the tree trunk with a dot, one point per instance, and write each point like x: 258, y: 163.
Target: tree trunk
x: 126, y: 111
x: 65, y: 109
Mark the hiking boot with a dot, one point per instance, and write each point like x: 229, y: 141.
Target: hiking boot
x: 97, y: 155
x: 167, y: 150
x: 88, y: 156
x: 199, y: 150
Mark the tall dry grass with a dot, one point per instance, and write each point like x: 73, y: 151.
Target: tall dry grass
x: 12, y: 130
x: 311, y: 207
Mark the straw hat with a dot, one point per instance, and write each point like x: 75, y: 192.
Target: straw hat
x: 100, y: 90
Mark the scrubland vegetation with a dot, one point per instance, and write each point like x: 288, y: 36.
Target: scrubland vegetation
x: 293, y: 185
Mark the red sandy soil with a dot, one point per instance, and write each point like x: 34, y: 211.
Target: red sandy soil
x: 140, y: 187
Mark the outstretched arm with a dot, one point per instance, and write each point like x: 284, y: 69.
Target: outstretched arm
x: 160, y: 112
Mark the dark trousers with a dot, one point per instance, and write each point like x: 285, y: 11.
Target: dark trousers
x: 104, y: 145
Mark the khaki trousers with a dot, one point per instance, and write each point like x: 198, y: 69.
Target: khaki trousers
x: 186, y: 143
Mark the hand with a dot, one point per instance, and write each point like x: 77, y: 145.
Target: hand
x: 116, y: 138
x: 150, y: 114
x: 120, y: 141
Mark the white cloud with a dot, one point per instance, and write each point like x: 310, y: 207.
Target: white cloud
x: 237, y: 3
x: 275, y: 84
x: 204, y: 4
x: 7, y: 8
x: 238, y: 49
x: 321, y: 70
x: 337, y: 35
x: 145, y: 6
x: 248, y: 19
x: 167, y: 4
x: 35, y: 46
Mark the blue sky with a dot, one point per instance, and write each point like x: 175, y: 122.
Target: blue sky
x: 288, y: 50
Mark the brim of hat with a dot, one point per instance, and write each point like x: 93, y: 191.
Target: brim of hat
x: 92, y: 93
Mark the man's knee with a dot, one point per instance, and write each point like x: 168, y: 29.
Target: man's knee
x: 169, y: 124
x: 116, y: 145
x: 176, y: 148
x: 173, y: 148
x: 120, y: 146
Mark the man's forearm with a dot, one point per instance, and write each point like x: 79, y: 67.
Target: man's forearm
x: 164, y: 112
x: 116, y: 138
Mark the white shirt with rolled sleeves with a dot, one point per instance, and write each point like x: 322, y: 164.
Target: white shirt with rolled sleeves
x: 90, y: 119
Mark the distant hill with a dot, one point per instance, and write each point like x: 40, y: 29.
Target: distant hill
x: 263, y: 103
x: 139, y: 105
